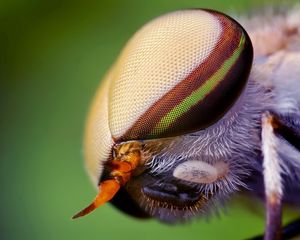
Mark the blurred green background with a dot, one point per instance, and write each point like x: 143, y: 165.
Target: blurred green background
x: 52, y: 57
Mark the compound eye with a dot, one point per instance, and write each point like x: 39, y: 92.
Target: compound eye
x: 180, y: 73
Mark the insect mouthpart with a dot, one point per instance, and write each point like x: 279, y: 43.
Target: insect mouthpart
x: 126, y: 159
x: 189, y: 188
x: 170, y: 199
x: 173, y: 196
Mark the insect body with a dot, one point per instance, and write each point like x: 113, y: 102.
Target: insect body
x: 176, y: 125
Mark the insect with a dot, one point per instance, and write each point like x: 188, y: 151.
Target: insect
x: 194, y: 111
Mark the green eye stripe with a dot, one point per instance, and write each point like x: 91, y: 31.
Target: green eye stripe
x: 200, y: 93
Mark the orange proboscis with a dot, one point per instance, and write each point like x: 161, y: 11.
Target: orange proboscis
x: 107, y: 190
x: 121, y: 174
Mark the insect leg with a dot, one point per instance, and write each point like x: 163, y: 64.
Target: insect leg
x: 272, y: 179
x: 290, y: 231
x: 288, y: 127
